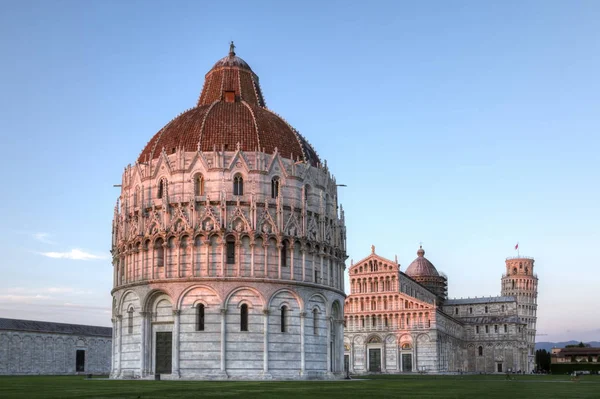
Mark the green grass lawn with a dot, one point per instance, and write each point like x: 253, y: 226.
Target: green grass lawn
x: 381, y: 386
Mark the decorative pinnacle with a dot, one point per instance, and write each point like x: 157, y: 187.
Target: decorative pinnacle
x: 231, y: 48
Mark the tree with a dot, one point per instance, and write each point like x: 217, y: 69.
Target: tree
x: 542, y: 360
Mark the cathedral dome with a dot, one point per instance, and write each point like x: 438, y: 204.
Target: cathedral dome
x: 230, y: 114
x: 421, y: 267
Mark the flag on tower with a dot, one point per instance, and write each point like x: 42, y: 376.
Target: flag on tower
x: 517, y: 246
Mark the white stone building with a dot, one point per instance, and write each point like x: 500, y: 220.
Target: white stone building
x: 228, y: 249
x: 403, y: 321
x: 30, y: 347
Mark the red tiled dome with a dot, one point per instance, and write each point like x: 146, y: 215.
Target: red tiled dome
x: 421, y: 267
x: 230, y: 111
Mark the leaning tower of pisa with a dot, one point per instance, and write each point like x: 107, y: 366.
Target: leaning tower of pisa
x: 521, y: 282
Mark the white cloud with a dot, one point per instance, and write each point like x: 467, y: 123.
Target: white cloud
x: 24, y: 298
x: 47, y: 290
x: 43, y: 237
x: 74, y: 254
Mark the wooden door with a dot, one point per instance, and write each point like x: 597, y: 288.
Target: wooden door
x: 164, y: 354
x: 406, y: 362
x: 375, y: 360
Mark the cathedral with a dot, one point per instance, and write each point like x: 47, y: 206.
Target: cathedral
x: 227, y: 247
x: 404, y: 322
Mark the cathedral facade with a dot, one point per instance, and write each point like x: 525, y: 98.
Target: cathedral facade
x: 404, y: 322
x: 228, y: 249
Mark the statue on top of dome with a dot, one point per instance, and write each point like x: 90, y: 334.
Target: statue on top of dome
x: 231, y: 48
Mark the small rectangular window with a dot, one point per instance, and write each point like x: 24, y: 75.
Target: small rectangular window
x: 477, y: 329
x: 487, y: 329
x: 229, y: 96
x: 495, y: 328
x: 505, y: 328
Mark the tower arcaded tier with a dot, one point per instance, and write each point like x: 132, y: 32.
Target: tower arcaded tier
x: 520, y: 282
x: 228, y: 248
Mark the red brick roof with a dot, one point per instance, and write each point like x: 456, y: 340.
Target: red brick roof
x: 217, y: 123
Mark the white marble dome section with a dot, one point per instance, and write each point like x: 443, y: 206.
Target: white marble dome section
x: 228, y: 264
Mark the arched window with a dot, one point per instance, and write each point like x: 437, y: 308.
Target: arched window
x: 515, y: 270
x: 315, y: 322
x: 477, y: 329
x: 162, y: 188
x: 130, y: 321
x: 198, y: 185
x: 307, y: 196
x: 275, y: 187
x: 160, y: 253
x: 503, y: 308
x: 284, y: 253
x: 513, y: 284
x: 244, y: 318
x: 456, y: 311
x: 200, y: 317
x: 283, y: 318
x: 480, y: 349
x: 471, y: 310
x: 486, y: 309
x: 238, y: 185
x: 230, y: 251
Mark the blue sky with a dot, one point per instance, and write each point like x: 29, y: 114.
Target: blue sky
x: 465, y: 125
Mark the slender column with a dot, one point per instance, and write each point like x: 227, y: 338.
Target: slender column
x: 415, y: 360
x: 329, y: 354
x: 351, y: 360
x: 152, y: 262
x: 303, y: 263
x: 366, y: 349
x: 119, y: 334
x: 115, y: 273
x: 399, y: 360
x: 166, y: 266
x: 321, y: 276
x: 279, y: 247
x: 238, y: 252
x: 302, y: 343
x: 207, y: 246
x: 143, y: 344
x: 266, y: 341
x: 266, y: 252
x: 193, y: 254
x: 175, y: 371
x: 252, y: 245
x: 223, y: 249
x: 178, y: 259
x: 383, y: 357
x: 223, y: 337
x: 292, y: 260
x: 113, y: 345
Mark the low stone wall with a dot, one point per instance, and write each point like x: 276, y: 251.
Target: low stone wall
x: 27, y: 353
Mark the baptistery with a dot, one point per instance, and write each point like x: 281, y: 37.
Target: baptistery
x: 228, y: 246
